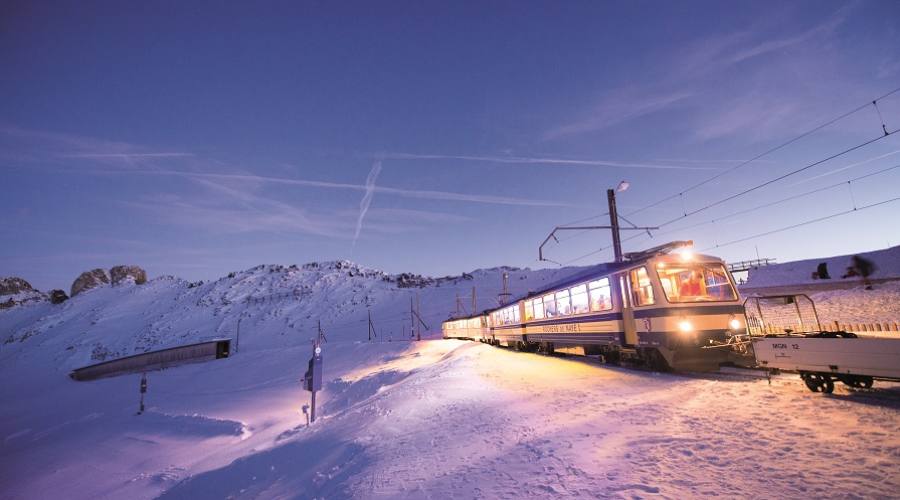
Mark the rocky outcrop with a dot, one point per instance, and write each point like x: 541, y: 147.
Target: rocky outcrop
x: 88, y: 280
x: 58, y: 297
x: 14, y: 285
x: 15, y: 291
x: 128, y: 273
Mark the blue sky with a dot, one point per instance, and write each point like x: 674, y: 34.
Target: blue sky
x: 196, y: 139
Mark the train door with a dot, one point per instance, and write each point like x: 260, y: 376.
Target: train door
x: 627, y: 312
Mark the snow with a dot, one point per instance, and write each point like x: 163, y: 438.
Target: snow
x: 887, y: 264
x: 430, y: 419
x: 858, y: 305
x: 444, y: 419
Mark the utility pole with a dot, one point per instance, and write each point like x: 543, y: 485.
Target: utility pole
x: 419, y: 322
x: 321, y: 335
x: 474, y: 303
x: 237, y: 340
x: 418, y: 330
x: 505, y: 295
x: 614, y: 224
x: 371, y: 327
x: 613, y: 227
x: 412, y: 319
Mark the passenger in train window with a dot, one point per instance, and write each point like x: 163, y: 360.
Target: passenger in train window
x: 563, y: 305
x: 579, y: 299
x: 538, y: 308
x: 601, y: 299
x: 550, y: 306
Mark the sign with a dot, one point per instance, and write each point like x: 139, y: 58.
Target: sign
x: 313, y: 377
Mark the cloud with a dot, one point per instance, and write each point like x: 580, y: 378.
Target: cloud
x: 367, y: 198
x: 540, y: 161
x: 825, y: 28
x: 224, y: 209
x: 617, y: 107
x: 696, y: 70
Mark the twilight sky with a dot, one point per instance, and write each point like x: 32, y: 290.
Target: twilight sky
x: 196, y: 139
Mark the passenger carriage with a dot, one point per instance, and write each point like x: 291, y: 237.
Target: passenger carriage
x: 660, y: 308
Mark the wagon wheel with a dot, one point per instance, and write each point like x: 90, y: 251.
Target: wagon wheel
x: 817, y: 382
x: 858, y: 381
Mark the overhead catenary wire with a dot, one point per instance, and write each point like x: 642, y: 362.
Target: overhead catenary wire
x: 807, y: 133
x: 779, y: 178
x: 777, y: 148
x: 805, y: 223
x: 741, y: 212
x: 782, y: 200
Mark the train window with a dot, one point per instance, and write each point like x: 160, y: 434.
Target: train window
x: 550, y: 306
x: 538, y: 308
x: 695, y: 282
x: 579, y: 299
x: 563, y: 305
x: 517, y: 316
x: 601, y: 298
x: 529, y: 312
x: 641, y: 287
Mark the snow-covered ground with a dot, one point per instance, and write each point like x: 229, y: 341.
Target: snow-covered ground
x: 858, y: 305
x: 431, y: 419
x: 442, y: 419
x: 887, y: 266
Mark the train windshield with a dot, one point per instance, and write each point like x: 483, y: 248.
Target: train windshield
x: 696, y: 282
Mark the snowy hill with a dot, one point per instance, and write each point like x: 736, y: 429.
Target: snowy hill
x: 887, y: 264
x: 278, y: 306
x: 431, y: 419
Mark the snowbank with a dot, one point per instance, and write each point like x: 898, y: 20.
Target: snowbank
x: 443, y: 419
x: 800, y: 272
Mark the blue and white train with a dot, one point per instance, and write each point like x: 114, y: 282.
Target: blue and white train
x: 659, y: 308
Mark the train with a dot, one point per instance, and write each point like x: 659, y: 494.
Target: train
x: 665, y: 308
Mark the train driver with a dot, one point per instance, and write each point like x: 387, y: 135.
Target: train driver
x: 691, y: 287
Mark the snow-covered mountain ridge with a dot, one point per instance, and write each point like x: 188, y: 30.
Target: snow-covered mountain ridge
x: 276, y: 305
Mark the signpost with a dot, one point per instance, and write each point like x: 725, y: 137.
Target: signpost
x: 143, y: 391
x: 312, y: 379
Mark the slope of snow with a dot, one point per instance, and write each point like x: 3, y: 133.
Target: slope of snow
x: 276, y: 306
x: 887, y: 264
x: 858, y: 305
x: 443, y: 419
x: 440, y: 419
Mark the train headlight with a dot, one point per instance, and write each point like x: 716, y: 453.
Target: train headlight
x: 734, y: 323
x: 685, y: 326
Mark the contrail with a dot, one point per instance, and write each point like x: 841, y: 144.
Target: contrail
x: 846, y: 167
x: 540, y: 161
x: 367, y: 198
x: 407, y: 193
x: 126, y: 155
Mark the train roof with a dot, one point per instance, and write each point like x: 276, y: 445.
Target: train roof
x: 605, y: 268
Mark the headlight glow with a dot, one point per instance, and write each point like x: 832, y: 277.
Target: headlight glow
x: 734, y: 324
x: 685, y: 326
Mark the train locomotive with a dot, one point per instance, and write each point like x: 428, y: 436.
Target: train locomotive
x: 663, y: 308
